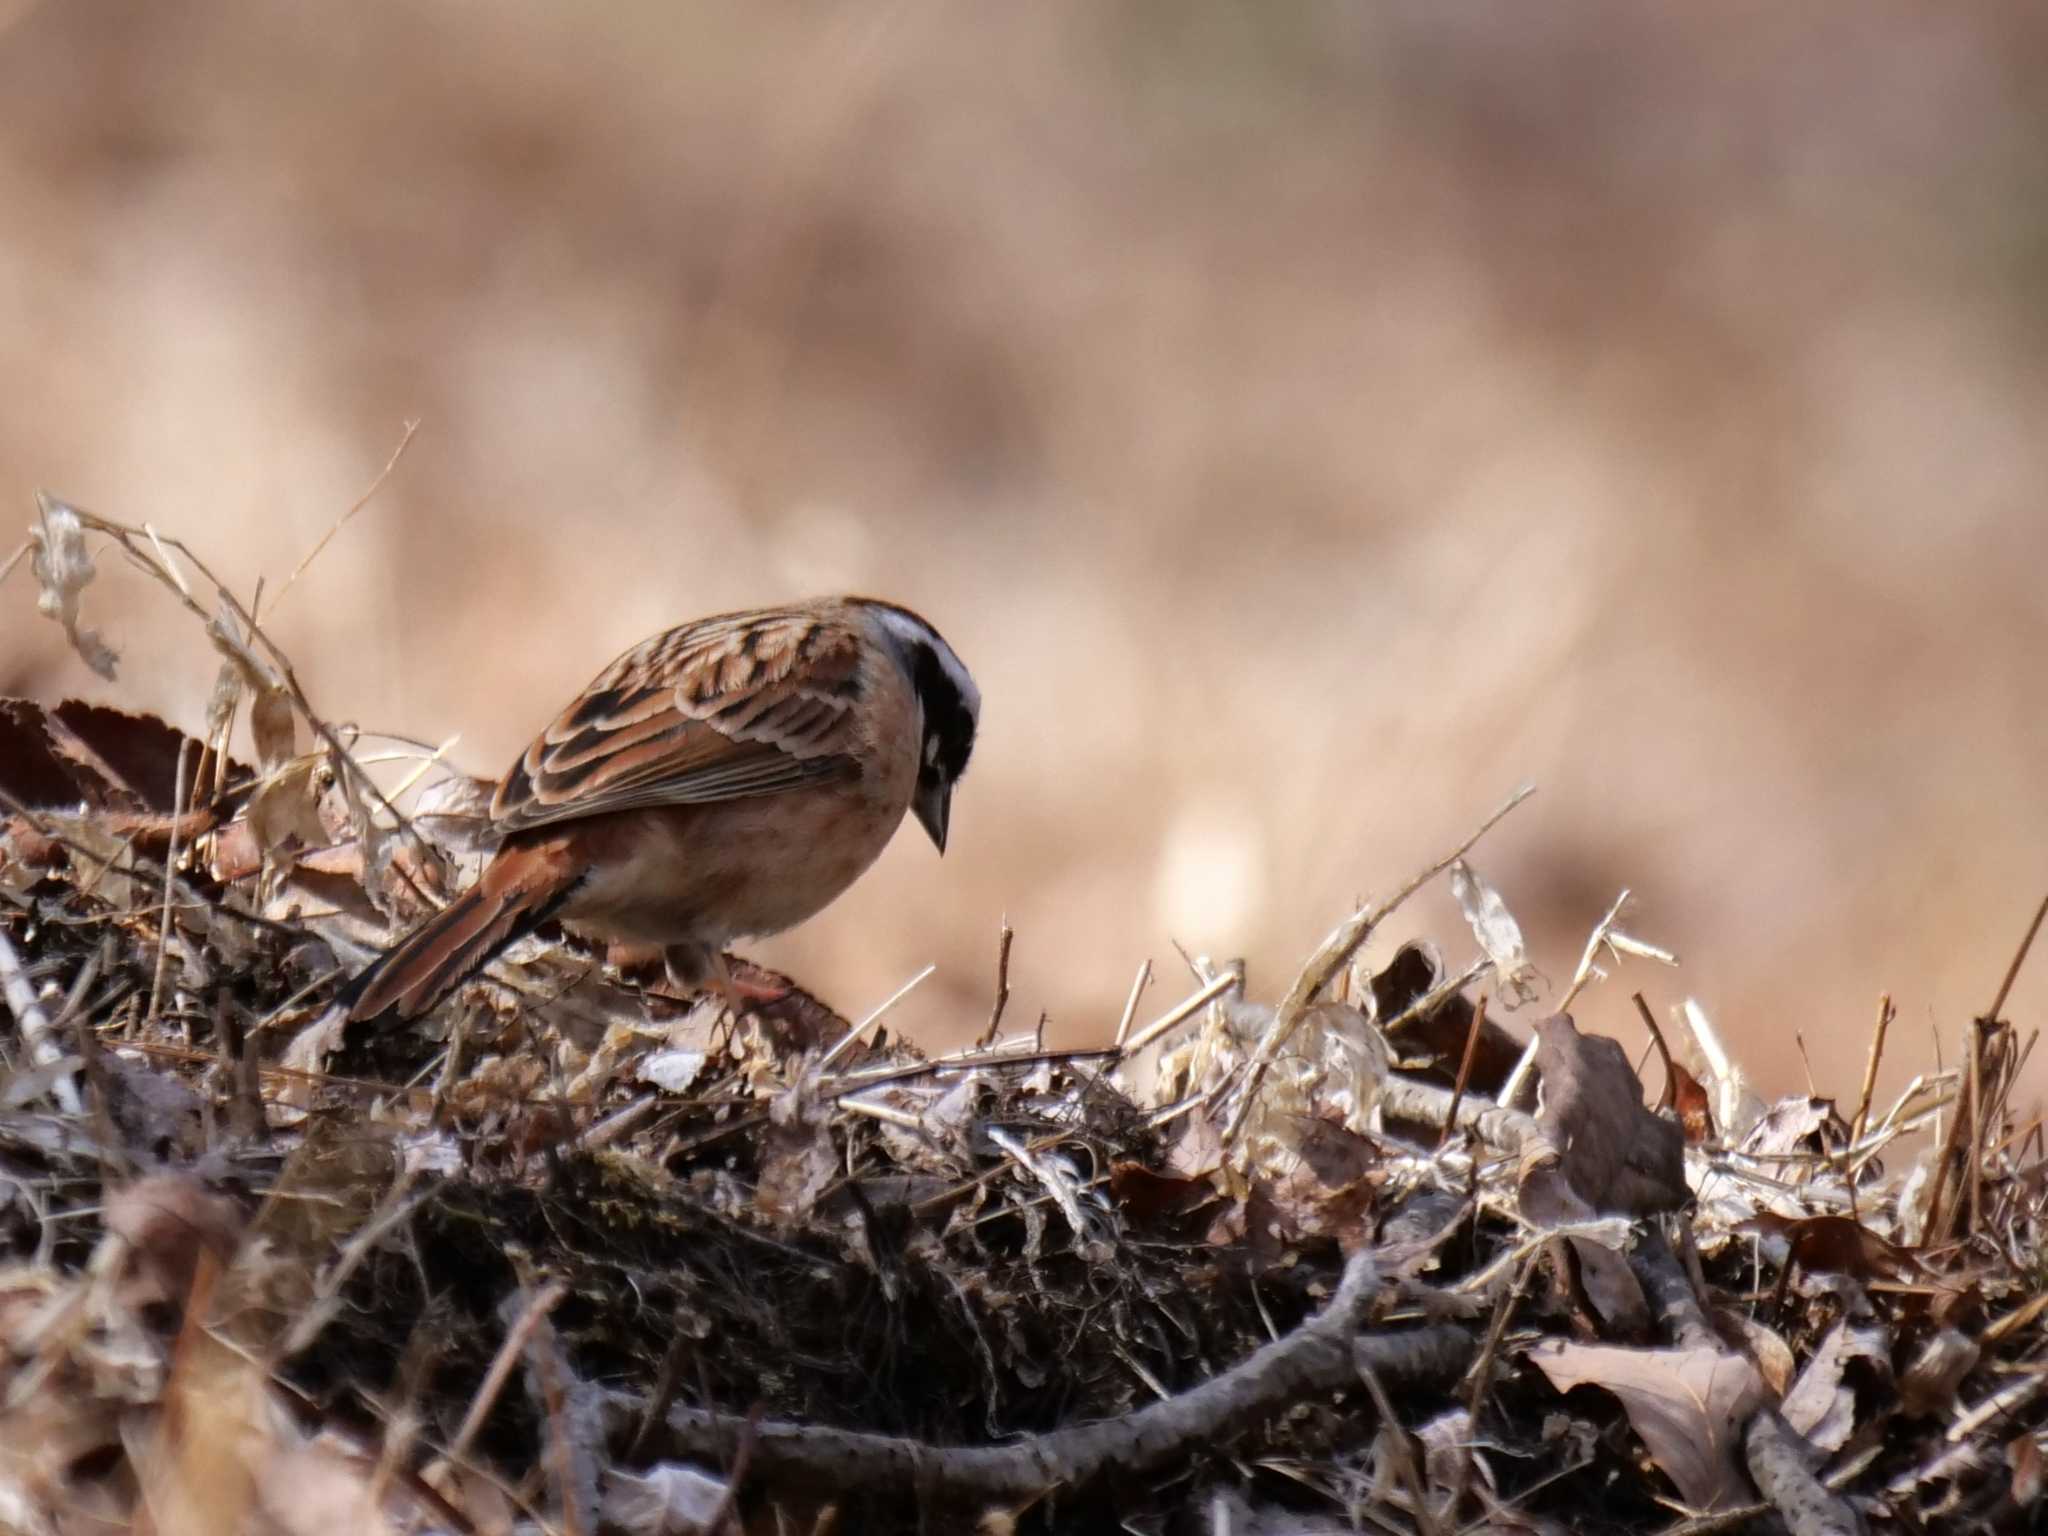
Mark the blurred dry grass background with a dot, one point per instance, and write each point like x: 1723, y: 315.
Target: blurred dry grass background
x: 1310, y: 420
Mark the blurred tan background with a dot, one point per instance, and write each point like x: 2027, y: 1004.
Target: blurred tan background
x: 1310, y: 421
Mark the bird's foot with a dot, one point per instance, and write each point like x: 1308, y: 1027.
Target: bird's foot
x: 745, y: 992
x: 693, y: 971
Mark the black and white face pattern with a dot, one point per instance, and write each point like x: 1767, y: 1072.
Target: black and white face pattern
x: 946, y: 693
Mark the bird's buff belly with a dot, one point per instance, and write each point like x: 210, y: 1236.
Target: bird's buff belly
x: 711, y: 874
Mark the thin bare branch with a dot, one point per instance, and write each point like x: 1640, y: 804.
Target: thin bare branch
x: 1330, y: 958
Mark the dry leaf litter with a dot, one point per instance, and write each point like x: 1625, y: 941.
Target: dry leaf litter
x: 582, y: 1256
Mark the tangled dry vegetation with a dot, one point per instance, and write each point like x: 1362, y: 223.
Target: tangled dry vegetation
x: 582, y: 1256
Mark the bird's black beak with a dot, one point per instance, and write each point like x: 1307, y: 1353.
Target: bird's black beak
x: 934, y: 805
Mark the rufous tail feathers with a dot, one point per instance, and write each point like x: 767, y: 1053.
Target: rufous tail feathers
x: 515, y: 894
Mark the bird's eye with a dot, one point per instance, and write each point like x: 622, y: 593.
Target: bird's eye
x: 931, y: 751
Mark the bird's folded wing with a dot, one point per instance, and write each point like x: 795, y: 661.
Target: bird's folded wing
x: 714, y: 711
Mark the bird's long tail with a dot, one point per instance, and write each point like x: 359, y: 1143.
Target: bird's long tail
x: 516, y: 893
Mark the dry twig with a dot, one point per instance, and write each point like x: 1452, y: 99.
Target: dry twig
x: 1329, y: 959
x: 1325, y: 1352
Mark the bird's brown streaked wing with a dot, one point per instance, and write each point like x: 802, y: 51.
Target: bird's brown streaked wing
x: 748, y: 704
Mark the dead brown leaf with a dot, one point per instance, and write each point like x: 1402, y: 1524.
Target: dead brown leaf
x: 137, y: 755
x: 1822, y: 1403
x: 1801, y: 1124
x: 233, y: 853
x: 1836, y: 1245
x: 1616, y: 1155
x: 1688, y: 1406
x: 1434, y: 1042
x: 284, y: 812
x: 1611, y: 1286
x: 31, y: 772
x: 1772, y: 1355
x: 1331, y: 1188
x: 1689, y: 1098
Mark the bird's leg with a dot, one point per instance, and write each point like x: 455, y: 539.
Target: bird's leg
x: 695, y: 968
x: 689, y: 968
x: 634, y: 962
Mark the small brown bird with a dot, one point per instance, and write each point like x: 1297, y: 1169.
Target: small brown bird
x: 728, y: 778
